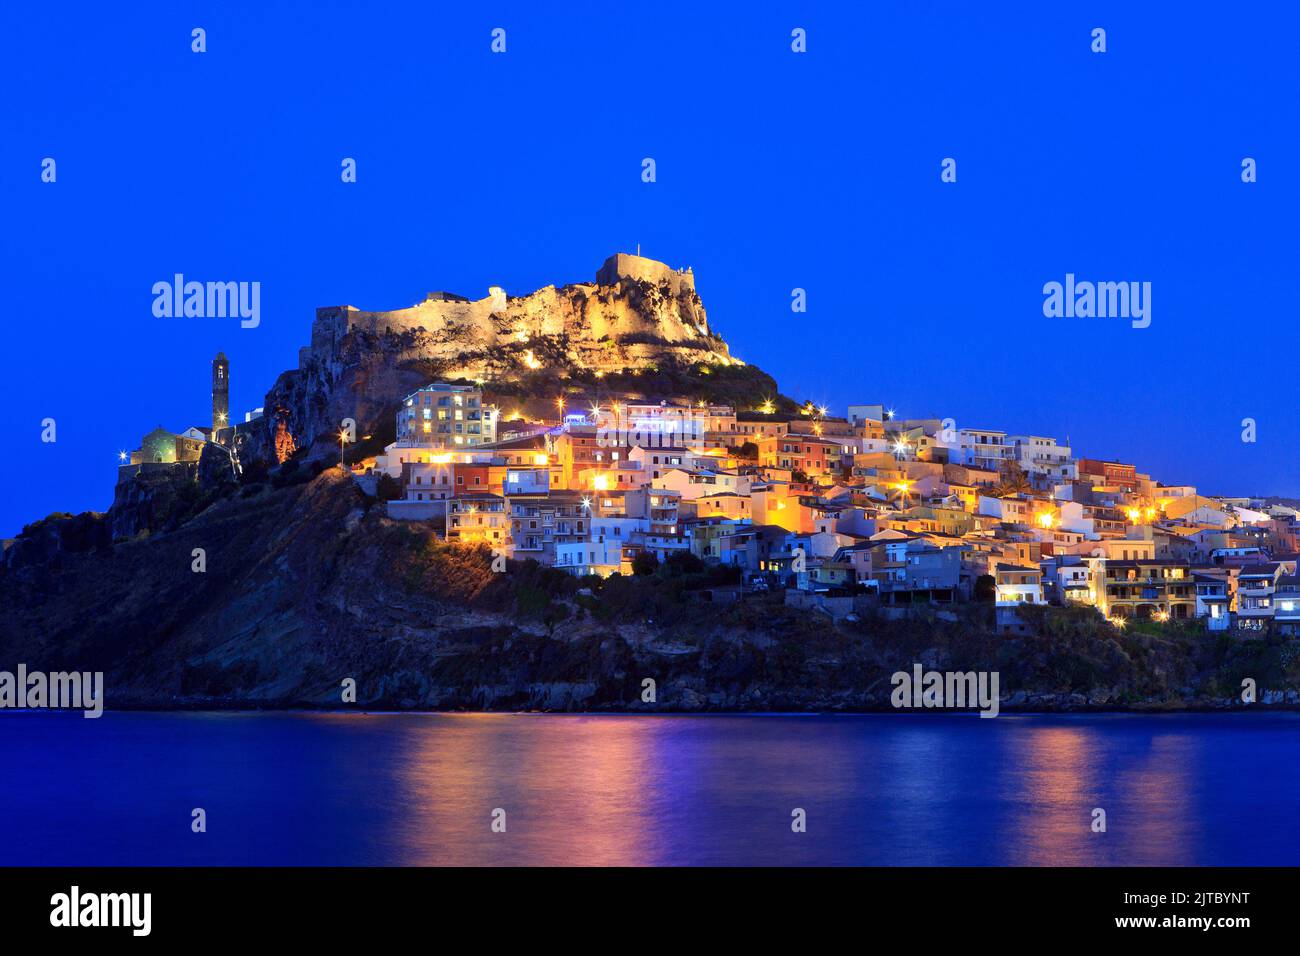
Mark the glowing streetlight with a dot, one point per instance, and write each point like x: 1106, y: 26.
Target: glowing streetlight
x: 121, y: 456
x: 767, y: 408
x: 903, y: 487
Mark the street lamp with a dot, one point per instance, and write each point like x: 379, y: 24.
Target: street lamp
x: 903, y: 487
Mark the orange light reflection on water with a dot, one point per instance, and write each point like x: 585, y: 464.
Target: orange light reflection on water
x: 586, y: 802
x: 1147, y: 797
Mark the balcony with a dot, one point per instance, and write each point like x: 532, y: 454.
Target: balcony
x: 1260, y: 590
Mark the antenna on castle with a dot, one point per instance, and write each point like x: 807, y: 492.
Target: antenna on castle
x: 638, y: 250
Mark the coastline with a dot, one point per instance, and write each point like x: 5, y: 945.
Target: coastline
x: 251, y: 707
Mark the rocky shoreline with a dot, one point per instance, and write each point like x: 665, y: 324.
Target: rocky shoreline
x: 693, y: 703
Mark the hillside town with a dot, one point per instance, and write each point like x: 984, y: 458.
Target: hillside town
x: 865, y: 509
x: 870, y: 510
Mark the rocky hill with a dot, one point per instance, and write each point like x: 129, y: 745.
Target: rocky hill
x: 637, y: 321
x: 307, y: 583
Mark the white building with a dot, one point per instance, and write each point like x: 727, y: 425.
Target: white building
x: 983, y: 448
x: 1018, y: 585
x: 1044, y: 458
x: 1212, y: 601
x: 656, y: 462
x: 527, y: 481
x: 691, y: 483
x: 580, y: 558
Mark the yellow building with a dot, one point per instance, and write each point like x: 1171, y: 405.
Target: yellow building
x: 477, y: 519
x: 1160, y: 590
x: 724, y: 504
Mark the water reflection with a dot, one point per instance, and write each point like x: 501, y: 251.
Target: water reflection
x: 575, y: 789
x: 609, y: 790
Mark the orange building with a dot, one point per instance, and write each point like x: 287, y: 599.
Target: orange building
x: 810, y: 454
x: 1108, y: 473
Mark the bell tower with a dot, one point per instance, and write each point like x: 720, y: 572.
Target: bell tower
x: 220, y: 393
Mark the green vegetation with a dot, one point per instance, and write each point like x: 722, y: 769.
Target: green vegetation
x: 740, y: 385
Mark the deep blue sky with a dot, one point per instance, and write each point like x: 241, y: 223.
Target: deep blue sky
x: 775, y: 170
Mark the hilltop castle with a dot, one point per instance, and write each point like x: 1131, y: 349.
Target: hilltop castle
x: 636, y: 308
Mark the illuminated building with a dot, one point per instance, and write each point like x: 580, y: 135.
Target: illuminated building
x: 446, y: 416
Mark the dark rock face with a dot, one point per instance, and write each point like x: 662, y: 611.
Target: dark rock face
x: 216, y: 468
x: 364, y: 380
x: 149, y: 499
x: 45, y: 542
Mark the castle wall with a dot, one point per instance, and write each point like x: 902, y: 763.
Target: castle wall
x: 610, y: 323
x: 624, y: 266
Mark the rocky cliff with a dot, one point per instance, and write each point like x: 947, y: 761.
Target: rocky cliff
x: 638, y: 316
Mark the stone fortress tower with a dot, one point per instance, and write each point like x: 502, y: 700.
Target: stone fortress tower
x: 220, y: 393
